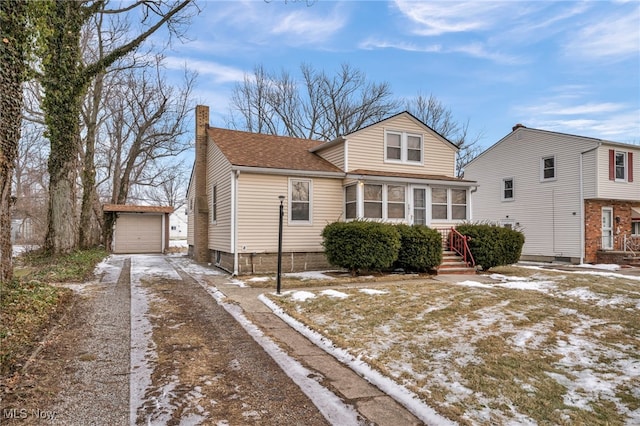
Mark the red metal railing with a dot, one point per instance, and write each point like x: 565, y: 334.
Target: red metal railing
x: 460, y: 244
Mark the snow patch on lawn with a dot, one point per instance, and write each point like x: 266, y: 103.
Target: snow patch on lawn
x: 372, y: 291
x: 309, y: 275
x: 334, y: 293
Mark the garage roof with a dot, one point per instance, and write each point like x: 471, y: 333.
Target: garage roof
x: 137, y: 209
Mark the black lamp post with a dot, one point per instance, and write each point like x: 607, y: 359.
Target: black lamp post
x: 278, y: 282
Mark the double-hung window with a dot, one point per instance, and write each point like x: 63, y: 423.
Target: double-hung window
x: 508, y: 189
x: 373, y: 201
x: 214, y: 203
x: 378, y: 201
x: 351, y: 201
x: 300, y: 204
x: 621, y: 165
x: 548, y: 168
x: 403, y: 147
x: 448, y: 204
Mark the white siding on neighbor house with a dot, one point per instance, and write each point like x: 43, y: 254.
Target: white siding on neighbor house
x: 367, y: 150
x: 178, y: 224
x: 548, y: 212
x: 610, y: 189
x: 590, y: 174
x: 221, y: 176
x: 258, y: 210
x: 190, y: 210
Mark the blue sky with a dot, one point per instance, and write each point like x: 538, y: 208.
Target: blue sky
x: 567, y: 66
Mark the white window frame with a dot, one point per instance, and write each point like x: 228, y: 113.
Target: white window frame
x: 450, y: 205
x: 292, y: 221
x: 354, y: 202
x: 542, y: 168
x: 504, y: 189
x: 214, y: 204
x: 624, y: 166
x: 635, y: 228
x: 384, y: 202
x: 404, y: 148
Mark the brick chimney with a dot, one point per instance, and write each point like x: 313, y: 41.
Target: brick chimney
x: 201, y: 222
x: 517, y: 126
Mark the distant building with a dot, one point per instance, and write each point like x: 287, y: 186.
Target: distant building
x: 178, y: 224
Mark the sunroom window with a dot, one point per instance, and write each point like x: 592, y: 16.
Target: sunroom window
x: 448, y: 204
x: 373, y: 201
x: 351, y: 202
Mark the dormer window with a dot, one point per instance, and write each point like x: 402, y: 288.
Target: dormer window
x: 403, y: 147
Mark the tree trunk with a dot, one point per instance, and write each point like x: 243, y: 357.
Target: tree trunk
x: 12, y: 62
x: 63, y: 87
x: 90, y: 222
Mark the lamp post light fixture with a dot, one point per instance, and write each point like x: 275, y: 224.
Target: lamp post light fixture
x: 278, y: 281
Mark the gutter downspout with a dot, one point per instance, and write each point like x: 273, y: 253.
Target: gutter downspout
x: 582, y: 213
x: 234, y: 219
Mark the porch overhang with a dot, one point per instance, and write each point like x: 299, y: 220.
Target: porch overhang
x: 635, y: 213
x: 414, y: 178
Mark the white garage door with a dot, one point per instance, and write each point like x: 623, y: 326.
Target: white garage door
x: 138, y: 233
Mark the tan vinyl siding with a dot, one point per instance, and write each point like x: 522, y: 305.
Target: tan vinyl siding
x: 221, y: 176
x: 366, y: 149
x: 258, y: 207
x: 548, y: 212
x: 609, y: 189
x: 334, y: 155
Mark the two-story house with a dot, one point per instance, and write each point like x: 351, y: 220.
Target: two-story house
x: 574, y: 197
x: 397, y: 170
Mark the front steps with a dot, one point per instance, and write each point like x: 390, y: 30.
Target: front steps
x: 452, y: 263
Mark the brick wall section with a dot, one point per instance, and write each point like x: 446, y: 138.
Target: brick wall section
x: 593, y: 225
x: 267, y: 263
x: 201, y: 225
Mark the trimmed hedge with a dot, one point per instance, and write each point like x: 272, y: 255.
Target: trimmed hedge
x: 493, y: 245
x: 361, y: 245
x: 375, y: 246
x: 420, y: 248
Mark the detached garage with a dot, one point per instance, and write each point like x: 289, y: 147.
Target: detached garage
x: 138, y: 229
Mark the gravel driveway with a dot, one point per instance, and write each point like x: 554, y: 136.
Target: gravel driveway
x: 151, y: 346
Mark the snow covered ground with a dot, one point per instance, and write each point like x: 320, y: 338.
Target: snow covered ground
x: 581, y: 334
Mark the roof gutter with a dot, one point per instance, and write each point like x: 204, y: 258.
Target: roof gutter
x: 288, y: 172
x: 432, y: 182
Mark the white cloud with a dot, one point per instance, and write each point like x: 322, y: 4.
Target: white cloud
x: 614, y: 36
x: 220, y: 73
x: 437, y: 18
x: 373, y: 43
x: 309, y: 27
x: 557, y: 108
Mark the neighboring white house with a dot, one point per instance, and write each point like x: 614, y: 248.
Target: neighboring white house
x: 574, y: 197
x: 397, y: 170
x: 178, y: 222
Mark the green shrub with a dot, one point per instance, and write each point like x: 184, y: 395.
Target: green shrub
x: 361, y: 245
x: 493, y: 245
x: 420, y: 248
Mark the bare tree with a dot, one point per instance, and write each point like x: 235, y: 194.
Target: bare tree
x: 30, y: 182
x: 65, y: 79
x: 145, y: 132
x: 322, y: 106
x: 172, y: 189
x: 436, y: 115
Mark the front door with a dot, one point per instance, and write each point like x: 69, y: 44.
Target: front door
x: 607, y: 228
x: 419, y: 206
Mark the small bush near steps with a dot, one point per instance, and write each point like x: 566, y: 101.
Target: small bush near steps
x: 420, y: 248
x: 493, y: 245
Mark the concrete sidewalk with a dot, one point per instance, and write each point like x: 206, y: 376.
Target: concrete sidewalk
x: 371, y: 403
